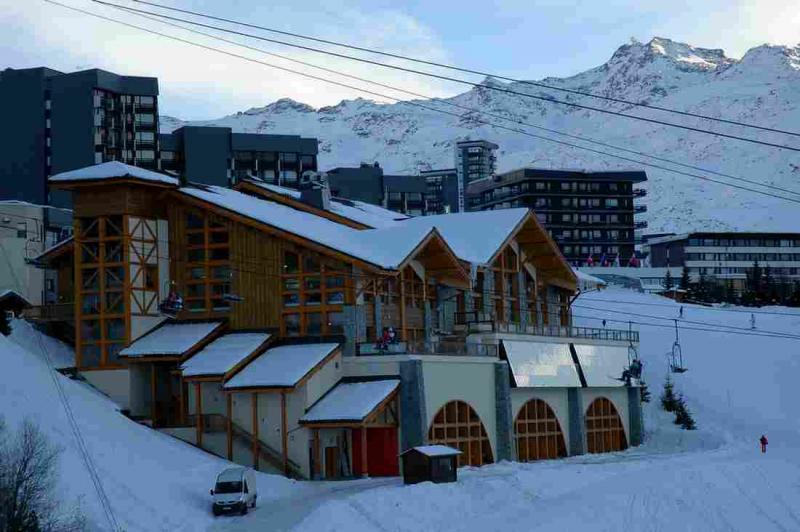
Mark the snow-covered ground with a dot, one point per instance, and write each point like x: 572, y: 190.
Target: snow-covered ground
x: 738, y: 387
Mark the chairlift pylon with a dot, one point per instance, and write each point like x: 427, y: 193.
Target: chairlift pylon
x: 676, y: 358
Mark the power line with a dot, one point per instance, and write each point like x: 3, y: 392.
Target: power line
x: 454, y: 80
x: 757, y: 332
x: 697, y: 307
x: 416, y: 104
x: 476, y: 72
x: 466, y: 108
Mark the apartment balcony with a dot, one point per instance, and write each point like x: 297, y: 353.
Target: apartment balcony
x: 458, y: 347
x: 638, y: 209
x: 639, y: 192
x: 640, y: 225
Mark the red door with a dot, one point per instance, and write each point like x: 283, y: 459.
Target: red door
x: 382, y: 459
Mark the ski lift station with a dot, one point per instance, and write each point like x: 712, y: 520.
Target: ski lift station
x: 246, y: 320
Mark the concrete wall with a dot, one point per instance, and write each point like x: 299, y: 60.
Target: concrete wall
x: 323, y: 380
x: 139, y: 379
x: 212, y: 397
x: 468, y: 379
x: 371, y: 366
x: 115, y: 383
x: 556, y: 398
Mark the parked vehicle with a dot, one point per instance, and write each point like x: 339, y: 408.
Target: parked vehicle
x: 235, y: 491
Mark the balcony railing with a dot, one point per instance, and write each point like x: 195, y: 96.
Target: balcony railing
x: 639, y: 192
x: 54, y: 312
x: 640, y: 225
x: 483, y: 322
x: 640, y: 208
x: 430, y: 347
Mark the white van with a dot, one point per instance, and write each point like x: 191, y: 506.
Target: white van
x: 235, y: 491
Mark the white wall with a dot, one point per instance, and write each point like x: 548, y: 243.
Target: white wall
x: 617, y: 395
x: 556, y: 398
x: 139, y: 382
x: 115, y: 383
x: 323, y: 380
x: 468, y: 379
x: 212, y: 397
x: 370, y: 366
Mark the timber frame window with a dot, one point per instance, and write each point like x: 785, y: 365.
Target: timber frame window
x: 208, y: 265
x: 457, y: 425
x: 101, y: 278
x: 505, y: 292
x: 314, y: 292
x: 537, y: 433
x: 604, y: 430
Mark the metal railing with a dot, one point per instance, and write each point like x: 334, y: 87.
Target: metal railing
x: 476, y: 321
x: 52, y: 312
x: 452, y: 348
x: 639, y: 192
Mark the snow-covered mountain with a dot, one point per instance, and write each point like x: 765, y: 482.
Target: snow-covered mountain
x: 763, y: 88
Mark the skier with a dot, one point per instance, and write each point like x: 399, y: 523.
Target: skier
x: 680, y: 312
x: 763, y: 441
x: 752, y: 321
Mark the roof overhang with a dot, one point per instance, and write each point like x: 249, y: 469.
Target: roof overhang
x: 439, y: 261
x: 541, y: 250
x: 284, y: 387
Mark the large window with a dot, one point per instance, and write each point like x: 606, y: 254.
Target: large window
x: 315, y: 290
x: 457, y: 425
x: 604, y: 431
x: 538, y: 433
x: 102, y: 272
x: 208, y: 266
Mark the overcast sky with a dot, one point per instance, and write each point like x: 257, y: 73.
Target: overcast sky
x: 519, y: 38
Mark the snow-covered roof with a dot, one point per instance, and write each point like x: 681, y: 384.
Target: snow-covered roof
x: 13, y: 294
x: 434, y: 450
x: 54, y: 247
x: 473, y: 236
x: 589, y: 279
x: 223, y: 354
x: 170, y: 339
x: 281, y: 367
x: 541, y: 364
x: 350, y: 401
x: 113, y: 170
x: 357, y: 211
x: 384, y: 249
x: 602, y: 365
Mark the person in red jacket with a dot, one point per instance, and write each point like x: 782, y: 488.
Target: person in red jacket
x: 764, y: 442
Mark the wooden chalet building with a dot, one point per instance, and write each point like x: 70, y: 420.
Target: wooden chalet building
x: 273, y: 360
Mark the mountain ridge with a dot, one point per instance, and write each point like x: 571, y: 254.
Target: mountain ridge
x: 763, y: 87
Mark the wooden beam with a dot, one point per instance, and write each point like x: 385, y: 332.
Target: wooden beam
x: 403, y: 334
x: 153, y: 394
x: 316, y: 451
x: 198, y: 412
x: 182, y: 400
x: 364, y: 472
x: 254, y: 408
x: 284, y: 435
x: 229, y: 412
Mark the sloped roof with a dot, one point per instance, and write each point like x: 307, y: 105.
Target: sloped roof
x: 602, y: 364
x: 113, y: 170
x: 474, y: 236
x: 350, y: 401
x: 541, y: 364
x: 171, y: 339
x: 357, y: 211
x: 223, y: 354
x: 433, y: 450
x: 55, y: 249
x: 386, y: 250
x: 281, y: 367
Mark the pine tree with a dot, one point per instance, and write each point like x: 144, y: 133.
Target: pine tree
x: 668, y: 399
x: 685, y: 282
x: 668, y: 282
x: 683, y: 415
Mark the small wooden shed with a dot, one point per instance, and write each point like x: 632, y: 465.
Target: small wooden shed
x: 434, y: 463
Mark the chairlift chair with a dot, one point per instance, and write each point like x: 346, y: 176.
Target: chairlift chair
x: 634, y: 368
x: 676, y: 358
x: 171, y: 306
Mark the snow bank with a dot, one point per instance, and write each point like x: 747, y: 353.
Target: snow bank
x: 29, y: 338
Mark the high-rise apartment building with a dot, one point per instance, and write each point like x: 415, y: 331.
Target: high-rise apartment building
x: 441, y: 192
x: 474, y: 160
x: 590, y: 215
x: 63, y: 121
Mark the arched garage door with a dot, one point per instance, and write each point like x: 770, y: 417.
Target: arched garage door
x: 537, y: 432
x: 457, y: 425
x: 604, y: 431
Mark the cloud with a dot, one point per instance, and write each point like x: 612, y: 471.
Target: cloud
x: 197, y: 83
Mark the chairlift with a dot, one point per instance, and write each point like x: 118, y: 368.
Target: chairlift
x: 634, y: 369
x: 676, y: 359
x: 171, y: 306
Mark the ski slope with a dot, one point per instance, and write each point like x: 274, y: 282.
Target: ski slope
x: 715, y: 478
x: 738, y: 387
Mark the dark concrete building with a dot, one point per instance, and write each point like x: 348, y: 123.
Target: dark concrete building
x: 729, y: 256
x: 368, y: 183
x: 588, y: 214
x: 218, y: 156
x: 475, y: 160
x: 441, y: 192
x: 55, y: 122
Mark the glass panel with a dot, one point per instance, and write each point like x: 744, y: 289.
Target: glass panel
x: 115, y: 303
x: 196, y: 290
x: 313, y: 298
x: 90, y: 252
x: 311, y: 264
x: 90, y: 330
x: 219, y: 254
x: 314, y: 324
x: 220, y: 304
x: 113, y: 251
x: 335, y: 298
x: 219, y: 237
x: 292, y: 324
x: 334, y: 282
x: 194, y: 221
x: 90, y: 228
x: 90, y: 304
x: 196, y: 305
x: 291, y: 262
x: 115, y: 329
x: 195, y: 239
x: 221, y: 272
x: 291, y: 300
x: 90, y: 279
x: 312, y: 283
x: 115, y: 277
x: 335, y: 323
x: 113, y: 226
x: 112, y: 353
x: 291, y: 284
x: 197, y: 272
x: 196, y: 255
